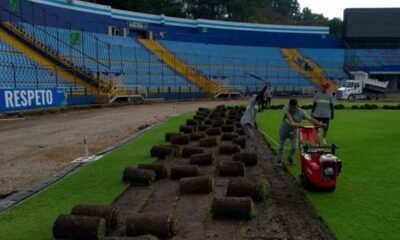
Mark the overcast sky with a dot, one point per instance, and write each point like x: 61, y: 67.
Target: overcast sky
x: 334, y: 8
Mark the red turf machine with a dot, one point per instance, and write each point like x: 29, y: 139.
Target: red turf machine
x: 319, y: 165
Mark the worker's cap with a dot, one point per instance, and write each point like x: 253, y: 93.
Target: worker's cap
x: 326, y: 84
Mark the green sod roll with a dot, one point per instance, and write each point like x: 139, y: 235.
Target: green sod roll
x: 231, y: 169
x: 197, y: 135
x: 229, y: 136
x: 202, y: 109
x: 168, y: 136
x: 196, y: 185
x: 79, y: 228
x: 214, y: 132
x: 241, y: 208
x: 187, y: 152
x: 163, y: 151
x: 179, y: 172
x: 209, y: 142
x: 158, y: 168
x: 204, y: 127
x: 249, y: 159
x: 180, y: 140
x: 187, y: 129
x: 190, y: 122
x: 245, y: 188
x: 199, y: 118
x: 218, y: 123
x: 163, y: 226
x: 241, y: 141
x: 140, y: 177
x: 109, y: 213
x: 229, y: 149
x: 228, y: 128
x: 202, y: 159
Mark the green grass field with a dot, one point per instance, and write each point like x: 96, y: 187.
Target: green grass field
x: 97, y: 183
x: 366, y: 203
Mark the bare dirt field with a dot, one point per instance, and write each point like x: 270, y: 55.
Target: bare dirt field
x: 39, y: 146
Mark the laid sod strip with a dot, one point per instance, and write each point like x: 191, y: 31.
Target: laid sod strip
x: 367, y: 190
x: 79, y: 228
x: 246, y: 188
x: 164, y: 226
x: 196, y: 185
x: 109, y: 213
x: 98, y: 183
x: 233, y: 208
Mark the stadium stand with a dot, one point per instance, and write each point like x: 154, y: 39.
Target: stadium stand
x: 234, y: 66
x: 19, y: 71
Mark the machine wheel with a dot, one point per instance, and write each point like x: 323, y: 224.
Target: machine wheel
x: 352, y: 98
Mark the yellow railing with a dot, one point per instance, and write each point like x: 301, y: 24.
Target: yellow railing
x: 316, y: 73
x: 182, y: 68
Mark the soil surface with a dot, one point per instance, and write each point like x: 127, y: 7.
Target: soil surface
x: 284, y: 215
x: 35, y: 148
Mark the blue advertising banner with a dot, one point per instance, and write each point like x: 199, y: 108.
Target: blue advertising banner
x: 12, y: 100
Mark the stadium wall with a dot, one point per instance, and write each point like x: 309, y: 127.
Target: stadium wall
x: 96, y: 18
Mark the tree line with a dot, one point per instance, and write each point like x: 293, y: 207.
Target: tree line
x: 253, y: 11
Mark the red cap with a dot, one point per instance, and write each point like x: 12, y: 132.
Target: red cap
x: 326, y: 84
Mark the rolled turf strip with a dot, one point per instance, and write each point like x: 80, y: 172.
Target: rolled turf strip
x: 164, y: 226
x: 214, y: 132
x: 229, y: 149
x: 231, y: 169
x: 196, y: 185
x: 249, y: 159
x: 168, y: 136
x: 245, y: 188
x: 180, y: 140
x: 197, y: 135
x: 241, y: 141
x: 140, y: 177
x: 158, y: 168
x: 229, y: 136
x: 201, y: 109
x: 190, y: 122
x: 203, y: 127
x: 229, y: 122
x: 79, y: 227
x: 218, y: 123
x: 163, y: 151
x: 228, y: 128
x: 187, y: 129
x: 241, y: 208
x: 209, y: 142
x: 199, y: 118
x: 179, y: 172
x: 202, y: 159
x: 187, y: 152
x: 109, y: 213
